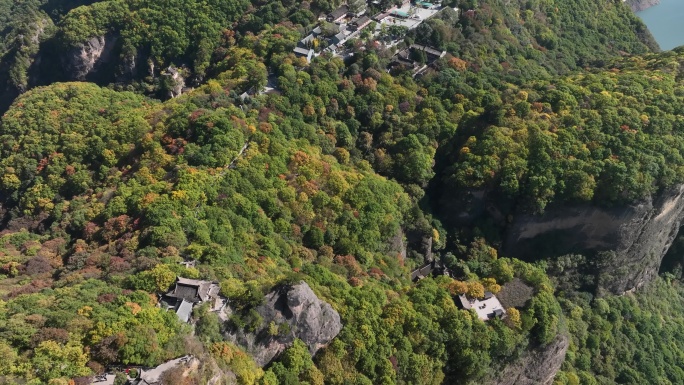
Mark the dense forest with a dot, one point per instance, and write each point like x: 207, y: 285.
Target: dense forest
x: 345, y: 175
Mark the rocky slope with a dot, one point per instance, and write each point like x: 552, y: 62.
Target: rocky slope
x: 630, y: 240
x: 640, y: 5
x: 308, y: 318
x: 18, y: 63
x: 535, y: 367
x: 82, y: 61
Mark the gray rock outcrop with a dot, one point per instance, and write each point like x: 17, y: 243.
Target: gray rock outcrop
x: 81, y: 61
x: 128, y: 69
x: 176, y: 81
x: 640, y: 5
x: 629, y: 242
x: 537, y: 366
x: 308, y: 318
x: 397, y: 244
x: 18, y: 65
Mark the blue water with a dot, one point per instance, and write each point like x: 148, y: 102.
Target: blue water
x: 666, y: 22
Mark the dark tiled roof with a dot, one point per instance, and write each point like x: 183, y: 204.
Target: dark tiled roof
x: 339, y: 12
x: 307, y: 40
x: 339, y: 38
x: 422, y: 271
x: 400, y: 61
x: 361, y: 20
x: 193, y: 290
x: 426, y: 49
x: 186, y: 292
x: 430, y: 268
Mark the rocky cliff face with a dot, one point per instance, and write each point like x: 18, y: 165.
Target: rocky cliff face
x: 535, y: 367
x: 17, y: 66
x: 640, y: 5
x: 82, y: 61
x: 308, y: 318
x: 627, y: 242
x: 397, y: 244
x: 176, y: 81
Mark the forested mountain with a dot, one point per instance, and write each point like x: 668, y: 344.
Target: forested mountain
x: 143, y: 141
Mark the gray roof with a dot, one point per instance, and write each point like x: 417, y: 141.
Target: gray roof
x: 403, y: 62
x: 422, y: 271
x: 340, y: 37
x: 194, y: 290
x: 361, y: 20
x: 465, y: 302
x: 186, y: 292
x: 307, y: 40
x: 431, y: 268
x: 428, y: 50
x: 184, y: 311
x: 301, y: 51
x: 339, y: 12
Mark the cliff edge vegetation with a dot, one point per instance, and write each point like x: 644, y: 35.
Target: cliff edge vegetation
x: 382, y: 192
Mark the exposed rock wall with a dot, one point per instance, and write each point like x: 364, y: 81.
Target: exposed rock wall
x: 640, y: 5
x: 629, y: 241
x: 313, y: 321
x: 176, y: 81
x: 79, y: 62
x: 17, y: 74
x: 397, y: 244
x: 535, y: 367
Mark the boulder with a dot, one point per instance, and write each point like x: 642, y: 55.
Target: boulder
x: 307, y: 318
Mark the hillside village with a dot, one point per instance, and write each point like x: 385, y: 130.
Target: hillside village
x: 337, y: 30
x: 487, y: 307
x: 185, y: 294
x: 483, y: 195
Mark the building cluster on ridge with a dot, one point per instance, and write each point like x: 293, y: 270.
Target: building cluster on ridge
x: 187, y: 293
x: 350, y: 20
x: 486, y: 308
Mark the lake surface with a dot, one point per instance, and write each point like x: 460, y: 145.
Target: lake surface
x: 666, y: 22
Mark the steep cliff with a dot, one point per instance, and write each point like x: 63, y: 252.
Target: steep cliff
x: 640, y: 5
x: 17, y: 64
x: 175, y: 81
x: 307, y: 317
x: 627, y: 243
x: 82, y: 61
x: 537, y: 366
